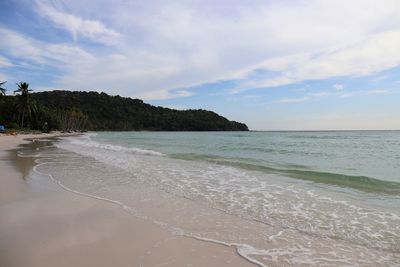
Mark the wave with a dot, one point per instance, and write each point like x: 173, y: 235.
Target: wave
x: 86, y: 142
x: 243, y: 250
x: 362, y: 183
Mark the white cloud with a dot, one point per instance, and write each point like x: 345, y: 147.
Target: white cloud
x: 380, y: 78
x: 37, y: 52
x: 162, y: 47
x: 366, y: 57
x: 93, y: 30
x: 338, y: 87
x: 374, y: 92
x: 163, y: 94
x: 4, y: 62
x: 365, y: 93
x: 294, y: 100
x: 19, y: 46
x: 339, y: 94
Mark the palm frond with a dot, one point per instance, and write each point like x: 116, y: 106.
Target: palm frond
x: 2, y: 90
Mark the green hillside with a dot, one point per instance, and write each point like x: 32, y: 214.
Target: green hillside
x: 65, y: 110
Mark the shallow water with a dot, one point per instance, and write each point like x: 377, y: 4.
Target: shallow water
x: 280, y: 198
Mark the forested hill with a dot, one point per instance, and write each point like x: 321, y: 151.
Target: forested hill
x: 105, y: 112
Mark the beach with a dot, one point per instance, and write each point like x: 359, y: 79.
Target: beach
x: 41, y: 224
x: 200, y: 199
x: 200, y: 133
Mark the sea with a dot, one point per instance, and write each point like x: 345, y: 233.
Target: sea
x: 328, y: 198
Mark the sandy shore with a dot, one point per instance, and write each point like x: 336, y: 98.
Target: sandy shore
x: 43, y: 225
x: 8, y: 142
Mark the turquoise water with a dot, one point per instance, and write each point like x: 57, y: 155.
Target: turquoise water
x: 368, y: 160
x: 279, y: 198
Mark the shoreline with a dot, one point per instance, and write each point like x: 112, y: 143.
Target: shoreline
x: 42, y: 224
x: 10, y: 141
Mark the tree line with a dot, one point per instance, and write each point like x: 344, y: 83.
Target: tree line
x: 23, y: 111
x: 73, y: 110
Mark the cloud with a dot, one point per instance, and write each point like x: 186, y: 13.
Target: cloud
x: 164, y: 94
x: 365, y: 93
x: 160, y: 48
x: 380, y: 78
x: 93, y: 30
x: 19, y: 46
x: 369, y: 56
x: 4, y: 62
x: 336, y: 94
x: 338, y: 87
x: 25, y: 49
x: 293, y: 100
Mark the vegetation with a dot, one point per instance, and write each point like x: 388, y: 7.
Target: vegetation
x: 24, y: 105
x: 68, y: 111
x: 2, y: 91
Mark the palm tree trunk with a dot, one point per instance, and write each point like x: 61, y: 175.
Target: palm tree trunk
x: 22, y: 119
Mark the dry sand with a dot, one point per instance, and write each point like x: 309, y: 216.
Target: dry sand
x: 43, y: 225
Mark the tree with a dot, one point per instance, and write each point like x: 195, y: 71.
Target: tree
x: 24, y: 105
x: 72, y: 119
x: 2, y: 90
x: 69, y: 111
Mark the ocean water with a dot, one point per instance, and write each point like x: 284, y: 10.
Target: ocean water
x: 278, y: 198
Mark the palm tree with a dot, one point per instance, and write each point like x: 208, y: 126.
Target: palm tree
x: 24, y: 105
x: 2, y: 90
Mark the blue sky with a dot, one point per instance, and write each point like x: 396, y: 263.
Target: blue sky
x: 275, y: 65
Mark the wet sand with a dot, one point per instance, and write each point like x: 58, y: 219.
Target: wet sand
x: 44, y: 225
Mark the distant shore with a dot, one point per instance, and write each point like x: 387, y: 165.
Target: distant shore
x: 43, y: 225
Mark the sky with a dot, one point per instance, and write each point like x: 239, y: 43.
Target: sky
x: 274, y: 65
